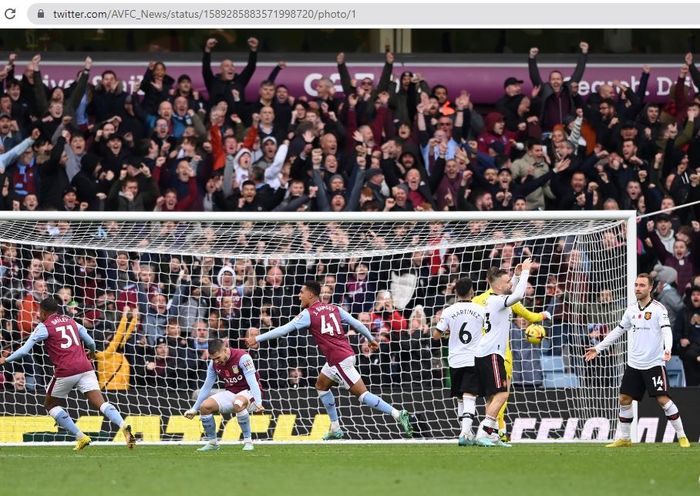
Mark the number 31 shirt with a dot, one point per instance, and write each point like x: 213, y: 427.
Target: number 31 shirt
x: 65, y: 341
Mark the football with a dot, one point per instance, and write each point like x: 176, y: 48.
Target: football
x: 535, y: 333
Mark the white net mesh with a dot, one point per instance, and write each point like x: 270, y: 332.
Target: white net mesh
x: 192, y: 280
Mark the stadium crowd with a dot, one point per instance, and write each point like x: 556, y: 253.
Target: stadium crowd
x: 397, y: 144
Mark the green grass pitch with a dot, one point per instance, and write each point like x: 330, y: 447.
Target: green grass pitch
x: 305, y: 470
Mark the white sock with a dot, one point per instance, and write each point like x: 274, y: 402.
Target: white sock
x: 487, y: 427
x: 460, y: 409
x: 625, y: 422
x: 395, y: 413
x: 674, y: 417
x: 468, y: 411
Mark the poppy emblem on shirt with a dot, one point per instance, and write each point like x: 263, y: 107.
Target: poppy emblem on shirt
x: 647, y: 315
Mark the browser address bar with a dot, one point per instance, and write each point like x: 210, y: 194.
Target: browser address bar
x: 361, y: 15
x: 186, y: 13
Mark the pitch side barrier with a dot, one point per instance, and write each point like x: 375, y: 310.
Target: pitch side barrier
x: 23, y: 421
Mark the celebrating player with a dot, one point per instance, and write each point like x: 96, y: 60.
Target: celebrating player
x: 649, y: 347
x: 490, y: 353
x: 464, y: 321
x: 324, y: 322
x: 243, y: 394
x: 531, y: 317
x: 64, y: 339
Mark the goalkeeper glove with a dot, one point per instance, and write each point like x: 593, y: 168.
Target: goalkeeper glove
x: 546, y: 315
x: 190, y: 413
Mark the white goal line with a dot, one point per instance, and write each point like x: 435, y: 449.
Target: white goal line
x: 36, y: 444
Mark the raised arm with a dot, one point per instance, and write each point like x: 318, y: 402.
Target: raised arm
x: 11, y: 155
x: 244, y: 77
x: 357, y: 182
x: 385, y: 77
x: 519, y: 292
x: 348, y: 319
x: 641, y: 90
x: 40, y: 333
x: 276, y: 70
x: 533, y: 70
x: 42, y: 103
x: 79, y: 89
x: 321, y: 194
x: 248, y: 368
x: 276, y: 167
x: 345, y: 80
x: 694, y: 73
x: 581, y: 63
x: 207, y: 73
x: 302, y: 321
x: 119, y: 335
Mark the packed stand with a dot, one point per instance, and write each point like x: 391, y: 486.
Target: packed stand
x: 397, y: 144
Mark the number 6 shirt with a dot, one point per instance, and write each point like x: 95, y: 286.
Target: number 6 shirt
x: 465, y: 321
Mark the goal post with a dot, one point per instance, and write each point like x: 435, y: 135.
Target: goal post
x: 188, y: 277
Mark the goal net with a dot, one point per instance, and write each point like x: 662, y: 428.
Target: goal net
x: 153, y: 289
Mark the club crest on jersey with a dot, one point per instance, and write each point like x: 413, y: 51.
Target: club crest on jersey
x: 647, y: 315
x: 235, y: 370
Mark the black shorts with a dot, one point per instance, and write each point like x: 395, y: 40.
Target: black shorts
x: 492, y: 375
x: 654, y: 381
x: 464, y: 380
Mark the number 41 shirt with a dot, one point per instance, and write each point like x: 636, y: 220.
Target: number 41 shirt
x: 327, y: 326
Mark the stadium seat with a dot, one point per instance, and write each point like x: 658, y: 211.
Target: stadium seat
x: 559, y: 380
x: 676, y: 374
x: 551, y: 364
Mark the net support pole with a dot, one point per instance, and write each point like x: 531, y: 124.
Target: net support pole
x: 631, y: 277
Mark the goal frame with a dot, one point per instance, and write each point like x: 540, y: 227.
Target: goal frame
x: 628, y: 216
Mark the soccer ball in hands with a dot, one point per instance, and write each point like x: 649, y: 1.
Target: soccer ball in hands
x: 535, y: 333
